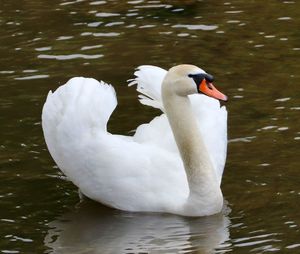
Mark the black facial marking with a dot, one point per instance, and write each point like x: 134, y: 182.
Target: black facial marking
x: 199, y: 77
x: 209, y: 78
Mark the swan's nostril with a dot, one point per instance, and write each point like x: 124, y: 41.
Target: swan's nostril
x: 209, y: 85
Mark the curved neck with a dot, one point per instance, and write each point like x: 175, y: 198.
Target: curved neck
x: 202, y: 179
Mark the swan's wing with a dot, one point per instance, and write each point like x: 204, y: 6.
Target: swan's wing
x: 112, y: 169
x: 158, y: 133
x: 148, y: 79
x: 213, y: 126
x: 208, y: 111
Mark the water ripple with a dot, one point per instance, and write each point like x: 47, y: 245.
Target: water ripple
x: 283, y: 99
x: 71, y: 2
x: 135, y: 2
x: 97, y: 2
x: 43, y: 48
x: 25, y: 240
x: 293, y: 246
x: 32, y: 77
x: 197, y: 27
x: 244, y: 139
x: 7, y: 72
x: 106, y: 14
x: 167, y: 6
x: 117, y: 23
x: 284, y: 18
x: 63, y: 38
x: 91, y: 47
x: 111, y: 34
x: 69, y: 57
x: 95, y: 24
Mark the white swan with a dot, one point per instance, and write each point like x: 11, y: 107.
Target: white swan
x: 148, y: 171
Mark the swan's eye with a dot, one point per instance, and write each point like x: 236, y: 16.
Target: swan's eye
x: 199, y: 77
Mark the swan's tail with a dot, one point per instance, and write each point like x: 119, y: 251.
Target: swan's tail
x: 78, y: 109
x: 148, y: 79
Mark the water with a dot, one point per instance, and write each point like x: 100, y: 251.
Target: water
x: 251, y: 47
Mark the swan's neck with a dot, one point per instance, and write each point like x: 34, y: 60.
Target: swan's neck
x: 202, y: 179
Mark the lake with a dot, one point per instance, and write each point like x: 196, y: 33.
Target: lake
x: 253, y: 50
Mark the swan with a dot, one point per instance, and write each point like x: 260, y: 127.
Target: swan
x: 173, y: 164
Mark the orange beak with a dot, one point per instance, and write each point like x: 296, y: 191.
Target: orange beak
x: 209, y: 89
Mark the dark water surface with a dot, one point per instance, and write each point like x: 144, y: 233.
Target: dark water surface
x: 253, y: 50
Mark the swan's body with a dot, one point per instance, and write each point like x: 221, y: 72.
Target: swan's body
x: 145, y: 172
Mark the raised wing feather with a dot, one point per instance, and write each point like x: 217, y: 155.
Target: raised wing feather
x: 148, y: 81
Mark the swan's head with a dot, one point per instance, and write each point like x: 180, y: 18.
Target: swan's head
x: 188, y: 79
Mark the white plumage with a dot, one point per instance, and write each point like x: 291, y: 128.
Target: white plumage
x: 144, y: 172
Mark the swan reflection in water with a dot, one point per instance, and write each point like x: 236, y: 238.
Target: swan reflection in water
x: 92, y: 228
